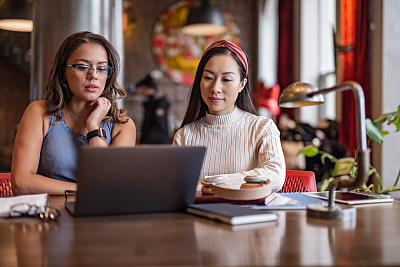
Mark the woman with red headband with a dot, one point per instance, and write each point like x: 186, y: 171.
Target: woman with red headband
x: 222, y: 117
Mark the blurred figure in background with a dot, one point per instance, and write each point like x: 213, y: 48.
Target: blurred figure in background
x: 155, y: 128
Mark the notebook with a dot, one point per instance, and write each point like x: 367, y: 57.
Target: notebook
x: 231, y: 214
x: 143, y: 179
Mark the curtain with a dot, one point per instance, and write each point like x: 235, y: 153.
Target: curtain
x: 355, y: 65
x: 285, y: 71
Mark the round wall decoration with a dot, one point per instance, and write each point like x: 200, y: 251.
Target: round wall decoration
x: 179, y: 54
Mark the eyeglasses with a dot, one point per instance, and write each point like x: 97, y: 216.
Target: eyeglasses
x: 46, y: 213
x: 82, y: 70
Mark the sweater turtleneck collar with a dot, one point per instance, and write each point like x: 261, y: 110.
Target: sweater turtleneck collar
x: 227, y: 119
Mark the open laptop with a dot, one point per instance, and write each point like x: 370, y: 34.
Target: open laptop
x: 144, y: 179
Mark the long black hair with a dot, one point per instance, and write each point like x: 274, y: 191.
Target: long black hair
x: 197, y: 108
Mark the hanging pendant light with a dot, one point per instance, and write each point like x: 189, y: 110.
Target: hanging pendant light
x: 205, y: 18
x: 16, y: 15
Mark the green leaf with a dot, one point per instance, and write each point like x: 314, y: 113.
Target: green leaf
x: 308, y: 151
x: 329, y: 156
x: 390, y: 117
x: 372, y: 170
x: 353, y: 171
x: 397, y: 179
x: 325, y: 183
x: 344, y: 166
x: 364, y: 188
x: 391, y: 189
x: 373, y: 131
x: 380, y: 119
x: 398, y: 124
x: 369, y: 188
x: 383, y: 133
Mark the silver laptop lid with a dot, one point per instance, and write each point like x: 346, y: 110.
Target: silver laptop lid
x: 157, y: 178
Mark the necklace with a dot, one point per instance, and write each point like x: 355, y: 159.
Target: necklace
x: 76, y: 127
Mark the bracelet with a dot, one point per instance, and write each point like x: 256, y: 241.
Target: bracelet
x: 99, y: 132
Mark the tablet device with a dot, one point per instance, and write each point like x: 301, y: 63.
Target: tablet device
x: 352, y: 198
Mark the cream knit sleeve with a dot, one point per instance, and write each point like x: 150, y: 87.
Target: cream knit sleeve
x: 177, y: 138
x: 249, y: 146
x: 271, y: 162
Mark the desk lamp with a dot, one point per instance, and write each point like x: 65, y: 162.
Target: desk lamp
x: 301, y: 94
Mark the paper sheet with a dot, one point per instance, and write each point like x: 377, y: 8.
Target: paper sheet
x: 275, y: 199
x: 36, y: 199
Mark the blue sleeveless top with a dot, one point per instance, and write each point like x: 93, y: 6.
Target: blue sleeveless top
x: 60, y: 150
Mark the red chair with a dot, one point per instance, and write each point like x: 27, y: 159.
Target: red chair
x: 5, y: 185
x: 299, y: 181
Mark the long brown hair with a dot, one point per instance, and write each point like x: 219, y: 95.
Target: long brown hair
x: 58, y: 93
x: 197, y: 108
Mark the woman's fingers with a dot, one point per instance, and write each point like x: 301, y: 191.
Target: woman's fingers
x: 100, y: 101
x: 101, y: 106
x: 105, y: 102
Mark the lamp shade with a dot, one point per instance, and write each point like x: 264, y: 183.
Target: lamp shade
x: 16, y: 15
x: 204, y: 18
x: 300, y: 94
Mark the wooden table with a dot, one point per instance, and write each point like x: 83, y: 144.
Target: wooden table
x: 173, y: 239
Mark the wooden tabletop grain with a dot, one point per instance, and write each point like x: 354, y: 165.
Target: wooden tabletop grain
x: 179, y: 239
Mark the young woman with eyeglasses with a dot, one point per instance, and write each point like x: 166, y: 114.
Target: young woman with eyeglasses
x: 221, y: 116
x: 79, y: 109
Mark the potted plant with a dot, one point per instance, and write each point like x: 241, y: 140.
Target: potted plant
x: 347, y: 166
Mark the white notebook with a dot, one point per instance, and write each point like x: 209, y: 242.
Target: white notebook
x: 231, y: 214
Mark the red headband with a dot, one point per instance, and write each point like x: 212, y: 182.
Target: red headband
x: 233, y: 48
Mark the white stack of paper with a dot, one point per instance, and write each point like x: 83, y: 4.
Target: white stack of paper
x: 7, y: 202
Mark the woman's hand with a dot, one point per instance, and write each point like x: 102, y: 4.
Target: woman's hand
x: 100, y: 106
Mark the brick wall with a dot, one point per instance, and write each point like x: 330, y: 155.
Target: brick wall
x: 139, y: 60
x: 14, y: 89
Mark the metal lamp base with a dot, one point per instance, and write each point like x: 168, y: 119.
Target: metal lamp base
x: 323, y: 211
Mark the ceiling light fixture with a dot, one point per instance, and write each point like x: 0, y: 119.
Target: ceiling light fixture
x: 205, y: 18
x: 16, y: 15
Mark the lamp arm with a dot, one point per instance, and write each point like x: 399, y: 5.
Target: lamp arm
x: 363, y: 151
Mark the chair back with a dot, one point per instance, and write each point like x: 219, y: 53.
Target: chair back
x: 5, y: 185
x: 299, y: 181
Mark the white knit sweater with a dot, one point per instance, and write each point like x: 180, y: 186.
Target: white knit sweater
x: 238, y: 144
